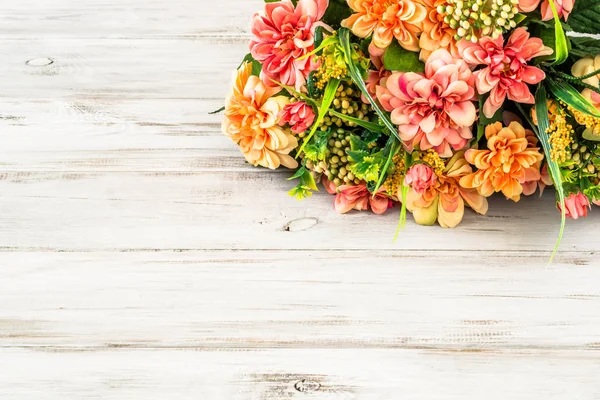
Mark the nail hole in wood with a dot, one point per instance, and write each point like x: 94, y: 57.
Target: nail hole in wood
x: 300, y: 224
x: 40, y: 62
x: 307, y: 386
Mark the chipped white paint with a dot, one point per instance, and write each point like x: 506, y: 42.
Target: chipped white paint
x: 141, y: 258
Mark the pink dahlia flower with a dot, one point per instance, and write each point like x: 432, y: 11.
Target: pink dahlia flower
x: 434, y: 109
x: 282, y: 35
x: 299, y: 115
x: 563, y: 7
x: 577, y: 205
x: 506, y: 72
x: 420, y: 177
x: 358, y: 197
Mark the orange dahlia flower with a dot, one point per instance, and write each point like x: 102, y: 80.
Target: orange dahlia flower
x: 386, y: 19
x: 251, y: 117
x: 445, y: 200
x: 507, y: 163
x: 437, y: 34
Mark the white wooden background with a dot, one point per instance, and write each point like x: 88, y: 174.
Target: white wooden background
x: 140, y: 258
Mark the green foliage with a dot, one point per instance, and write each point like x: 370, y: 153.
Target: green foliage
x: 392, y: 147
x: 541, y: 109
x: 366, y: 163
x: 485, y: 121
x: 306, y: 185
x: 561, y: 46
x: 316, y: 150
x: 217, y: 111
x: 571, y: 96
x: 592, y: 192
x: 584, y: 46
x: 337, y: 11
x: 256, y: 66
x: 585, y: 16
x: 328, y: 96
x: 356, y: 75
x: 397, y: 58
x: 364, y: 124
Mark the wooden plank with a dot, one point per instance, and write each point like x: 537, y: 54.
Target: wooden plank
x: 124, y: 374
x: 55, y: 69
x: 243, y: 208
x: 214, y: 300
x: 133, y: 18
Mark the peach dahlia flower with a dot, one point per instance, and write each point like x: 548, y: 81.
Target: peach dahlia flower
x: 386, y: 20
x: 282, y: 35
x: 251, y: 121
x: 507, y: 163
x: 445, y: 200
x: 437, y: 34
x: 434, y: 109
x: 506, y: 71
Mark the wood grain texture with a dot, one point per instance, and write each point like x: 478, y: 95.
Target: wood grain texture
x: 140, y: 257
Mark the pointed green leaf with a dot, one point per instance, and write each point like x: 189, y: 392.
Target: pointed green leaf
x: 541, y: 109
x: 355, y: 74
x: 571, y: 96
x: 561, y: 46
x: 328, y: 96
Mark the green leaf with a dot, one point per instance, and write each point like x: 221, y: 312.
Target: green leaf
x: 485, y: 121
x: 217, y: 111
x: 355, y: 74
x: 337, y: 11
x: 366, y: 163
x: 306, y: 186
x: 402, y: 220
x: 317, y: 149
x: 541, y: 109
x: 561, y: 49
x: 325, y: 43
x: 365, y: 124
x: 585, y: 17
x: 256, y: 66
x: 585, y: 46
x: 571, y: 96
x: 328, y: 96
x: 397, y: 58
x: 391, y: 147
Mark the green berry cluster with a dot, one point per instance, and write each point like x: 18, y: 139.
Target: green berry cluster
x: 336, y: 165
x: 348, y: 102
x: 582, y: 159
x: 473, y: 19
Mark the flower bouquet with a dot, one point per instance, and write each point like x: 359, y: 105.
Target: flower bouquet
x: 431, y: 104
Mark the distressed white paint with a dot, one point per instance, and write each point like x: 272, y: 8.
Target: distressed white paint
x: 141, y: 258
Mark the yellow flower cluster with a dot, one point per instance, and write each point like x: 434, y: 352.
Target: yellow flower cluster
x: 330, y: 69
x: 561, y: 137
x: 586, y: 120
x: 434, y: 160
x: 394, y: 180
